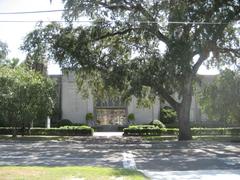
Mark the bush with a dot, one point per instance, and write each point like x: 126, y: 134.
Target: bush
x: 2, y: 123
x: 62, y: 131
x: 158, y: 123
x: 171, y: 131
x: 63, y: 122
x: 142, y: 130
x: 215, y: 131
x: 89, y: 117
x: 131, y: 118
x: 168, y: 115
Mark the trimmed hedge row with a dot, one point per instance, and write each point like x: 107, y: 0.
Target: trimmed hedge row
x: 215, y: 131
x: 155, y: 131
x: 142, y: 130
x: 62, y: 131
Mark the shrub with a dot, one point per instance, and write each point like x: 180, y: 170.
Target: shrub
x: 158, y: 123
x: 146, y: 130
x: 89, y: 117
x: 3, y: 123
x: 142, y: 130
x: 215, y: 131
x: 131, y: 117
x: 63, y: 122
x: 168, y: 115
x: 63, y: 131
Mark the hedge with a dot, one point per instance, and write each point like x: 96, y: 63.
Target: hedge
x: 62, y: 131
x: 142, y: 130
x: 155, y: 131
x: 215, y: 131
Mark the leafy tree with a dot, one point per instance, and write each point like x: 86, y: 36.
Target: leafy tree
x: 142, y: 48
x: 168, y: 115
x: 25, y: 96
x: 220, y: 100
x: 3, y: 57
x: 3, y: 51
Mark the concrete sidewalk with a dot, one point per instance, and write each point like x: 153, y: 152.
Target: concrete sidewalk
x: 194, y: 175
x: 108, y: 134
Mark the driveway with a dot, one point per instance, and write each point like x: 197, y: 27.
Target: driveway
x: 155, y: 158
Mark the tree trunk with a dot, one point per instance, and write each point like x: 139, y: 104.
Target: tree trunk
x: 183, y: 112
x: 14, y: 132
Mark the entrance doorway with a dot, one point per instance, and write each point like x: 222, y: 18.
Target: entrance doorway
x: 111, y: 116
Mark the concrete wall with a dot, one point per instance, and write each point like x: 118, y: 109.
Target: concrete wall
x: 74, y: 107
x: 144, y: 115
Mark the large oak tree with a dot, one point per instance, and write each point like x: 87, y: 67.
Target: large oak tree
x: 140, y: 48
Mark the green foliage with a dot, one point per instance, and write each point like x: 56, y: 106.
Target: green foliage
x: 142, y: 130
x: 151, y: 131
x: 4, y: 61
x: 25, y: 96
x: 89, y: 117
x: 158, y: 123
x: 168, y: 115
x: 120, y: 52
x: 63, y: 131
x: 216, y: 131
x: 3, y: 51
x: 220, y: 100
x: 131, y: 117
x: 63, y: 122
x: 75, y: 127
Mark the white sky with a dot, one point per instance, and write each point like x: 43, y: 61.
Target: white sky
x: 14, y: 33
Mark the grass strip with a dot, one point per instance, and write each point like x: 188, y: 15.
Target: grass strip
x: 69, y: 172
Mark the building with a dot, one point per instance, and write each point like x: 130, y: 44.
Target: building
x: 74, y: 107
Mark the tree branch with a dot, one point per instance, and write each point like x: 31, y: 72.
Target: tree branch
x: 197, y: 64
x: 162, y: 92
x: 114, y: 7
x: 236, y: 52
x: 122, y: 32
x: 154, y: 26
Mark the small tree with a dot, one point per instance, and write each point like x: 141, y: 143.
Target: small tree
x: 25, y: 96
x: 221, y: 99
x: 89, y: 118
x: 131, y: 118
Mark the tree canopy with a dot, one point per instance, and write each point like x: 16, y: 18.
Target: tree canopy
x: 3, y: 50
x: 220, y: 100
x: 142, y: 48
x: 25, y: 96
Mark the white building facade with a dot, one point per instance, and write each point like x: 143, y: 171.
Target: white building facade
x: 74, y: 107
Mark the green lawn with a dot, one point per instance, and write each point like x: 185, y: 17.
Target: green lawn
x: 68, y: 173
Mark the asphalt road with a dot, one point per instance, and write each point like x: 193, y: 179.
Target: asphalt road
x: 101, y: 151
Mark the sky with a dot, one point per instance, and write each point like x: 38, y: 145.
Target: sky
x: 13, y: 33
